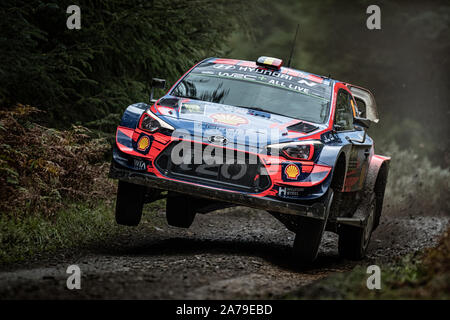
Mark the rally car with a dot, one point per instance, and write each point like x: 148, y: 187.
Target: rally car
x: 257, y: 134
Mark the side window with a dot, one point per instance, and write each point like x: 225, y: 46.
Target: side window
x: 361, y: 106
x: 343, y: 118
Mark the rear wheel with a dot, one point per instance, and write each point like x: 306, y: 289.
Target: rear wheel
x: 308, y: 237
x: 180, y: 211
x: 380, y: 186
x: 129, y: 204
x: 353, y: 241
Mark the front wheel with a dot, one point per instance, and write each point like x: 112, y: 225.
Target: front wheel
x: 353, y: 241
x: 309, y: 235
x: 307, y: 240
x: 129, y: 204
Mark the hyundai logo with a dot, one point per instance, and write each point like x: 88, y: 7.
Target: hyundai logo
x: 224, y: 66
x: 218, y: 139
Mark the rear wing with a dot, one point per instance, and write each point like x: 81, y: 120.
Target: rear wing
x: 365, y: 100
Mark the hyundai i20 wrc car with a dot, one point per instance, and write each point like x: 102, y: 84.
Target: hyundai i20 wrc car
x: 257, y: 134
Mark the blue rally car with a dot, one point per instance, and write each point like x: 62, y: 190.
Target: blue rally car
x: 233, y: 132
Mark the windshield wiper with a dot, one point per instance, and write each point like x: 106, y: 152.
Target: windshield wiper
x: 187, y: 97
x: 261, y: 109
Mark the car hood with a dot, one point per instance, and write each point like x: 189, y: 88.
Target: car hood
x: 240, y: 126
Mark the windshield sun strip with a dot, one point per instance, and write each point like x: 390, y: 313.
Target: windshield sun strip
x: 260, y: 82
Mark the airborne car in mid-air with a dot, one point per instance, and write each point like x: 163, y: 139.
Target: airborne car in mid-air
x: 233, y: 132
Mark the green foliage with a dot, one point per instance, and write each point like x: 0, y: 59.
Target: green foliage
x: 404, y: 64
x: 42, y: 168
x: 84, y: 75
x: 77, y: 224
x: 273, y: 32
x: 74, y: 226
x: 415, y: 186
x: 425, y: 275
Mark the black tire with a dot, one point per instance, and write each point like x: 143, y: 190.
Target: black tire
x: 129, y: 204
x: 307, y: 241
x: 353, y: 241
x: 308, y: 237
x: 380, y: 187
x: 180, y: 211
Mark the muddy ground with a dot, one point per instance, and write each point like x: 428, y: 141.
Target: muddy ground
x: 229, y: 254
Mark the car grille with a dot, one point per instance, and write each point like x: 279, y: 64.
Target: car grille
x: 237, y: 170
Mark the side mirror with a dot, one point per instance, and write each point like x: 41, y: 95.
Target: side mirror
x: 156, y: 84
x: 337, y: 127
x: 361, y: 122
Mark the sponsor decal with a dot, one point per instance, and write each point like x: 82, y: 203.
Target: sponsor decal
x: 229, y: 119
x: 192, y: 108
x: 292, y: 171
x: 139, y: 164
x: 224, y: 66
x: 328, y: 137
x: 296, y: 81
x: 218, y: 140
x: 143, y: 143
x: 288, y: 192
x: 238, y: 75
x: 310, y: 84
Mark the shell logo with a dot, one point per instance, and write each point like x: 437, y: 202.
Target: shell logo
x: 227, y: 118
x: 143, y: 143
x: 292, y: 171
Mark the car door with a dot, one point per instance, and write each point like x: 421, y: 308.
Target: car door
x: 349, y: 133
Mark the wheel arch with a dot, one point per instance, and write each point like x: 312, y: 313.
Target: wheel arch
x: 337, y: 157
x: 377, y: 173
x: 339, y: 172
x: 376, y: 181
x: 132, y: 114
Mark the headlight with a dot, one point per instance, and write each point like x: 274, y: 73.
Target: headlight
x: 151, y: 123
x: 302, y: 150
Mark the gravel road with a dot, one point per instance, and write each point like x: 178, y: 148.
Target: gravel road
x: 237, y: 253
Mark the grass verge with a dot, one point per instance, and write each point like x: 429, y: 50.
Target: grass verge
x: 424, y: 275
x: 76, y: 225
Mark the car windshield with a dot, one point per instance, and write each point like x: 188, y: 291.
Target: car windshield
x: 287, y: 101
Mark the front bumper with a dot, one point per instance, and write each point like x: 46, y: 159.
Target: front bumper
x: 317, y: 210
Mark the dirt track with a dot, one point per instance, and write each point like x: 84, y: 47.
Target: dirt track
x: 229, y: 254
